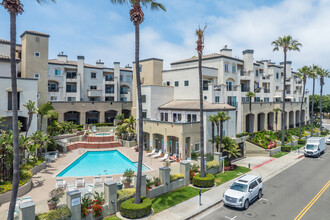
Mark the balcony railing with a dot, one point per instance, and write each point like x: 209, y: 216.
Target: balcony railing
x: 245, y: 89
x: 266, y: 90
x: 288, y: 92
x: 52, y: 90
x: 109, y: 79
x: 257, y: 90
x: 71, y: 90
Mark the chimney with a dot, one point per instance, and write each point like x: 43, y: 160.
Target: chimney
x: 62, y: 57
x: 116, y: 67
x: 99, y: 63
x: 226, y: 52
x: 288, y: 68
x: 248, y: 60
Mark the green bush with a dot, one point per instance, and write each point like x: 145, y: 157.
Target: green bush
x: 242, y: 134
x: 207, y: 181
x: 209, y: 157
x: 61, y: 212
x: 301, y: 141
x: 212, y: 164
x: 175, y: 177
x: 286, y: 148
x: 124, y: 194
x: 129, y: 209
x: 324, y: 133
x: 193, y: 155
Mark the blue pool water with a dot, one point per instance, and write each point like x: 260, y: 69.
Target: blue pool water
x: 102, y: 134
x: 94, y: 163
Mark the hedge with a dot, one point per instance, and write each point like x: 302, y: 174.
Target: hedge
x: 301, y: 141
x: 103, y: 124
x: 324, y: 132
x: 207, y: 181
x: 242, y: 134
x: 129, y: 209
x: 286, y: 148
x: 61, y: 212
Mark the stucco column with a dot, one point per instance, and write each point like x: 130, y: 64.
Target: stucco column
x: 182, y: 151
x: 73, y: 201
x: 27, y: 211
x: 185, y: 170
x: 266, y: 121
x: 82, y: 118
x: 110, y: 196
x: 166, y: 145
x: 60, y: 116
x: 164, y: 176
x: 102, y: 115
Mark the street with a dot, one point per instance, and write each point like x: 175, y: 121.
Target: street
x: 300, y: 192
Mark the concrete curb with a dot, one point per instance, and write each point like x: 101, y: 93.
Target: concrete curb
x: 300, y: 156
x: 206, y: 208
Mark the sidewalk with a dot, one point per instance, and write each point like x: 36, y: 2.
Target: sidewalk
x: 191, y: 208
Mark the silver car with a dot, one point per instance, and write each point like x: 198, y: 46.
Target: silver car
x: 243, y: 191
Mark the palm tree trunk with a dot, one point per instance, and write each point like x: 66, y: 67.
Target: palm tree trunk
x: 221, y: 131
x: 321, y: 92
x: 312, y: 116
x: 15, y: 116
x: 283, y: 110
x: 201, y: 114
x: 301, y: 107
x: 276, y: 120
x: 29, y: 124
x: 218, y: 134
x: 212, y: 137
x: 137, y: 199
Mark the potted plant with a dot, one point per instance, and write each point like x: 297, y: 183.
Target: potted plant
x: 128, y: 177
x: 55, y: 196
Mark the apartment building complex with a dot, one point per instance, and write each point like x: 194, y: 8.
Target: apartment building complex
x: 171, y: 97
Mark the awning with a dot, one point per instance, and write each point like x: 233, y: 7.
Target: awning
x: 277, y: 96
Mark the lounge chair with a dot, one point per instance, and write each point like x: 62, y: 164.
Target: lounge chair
x: 172, y: 159
x: 164, y: 158
x: 52, y: 158
x: 71, y: 187
x: 97, y: 181
x: 60, y: 183
x: 90, y: 188
x: 151, y: 153
x: 108, y: 178
x: 80, y: 182
x: 157, y: 155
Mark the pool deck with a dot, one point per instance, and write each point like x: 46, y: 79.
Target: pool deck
x: 44, y: 181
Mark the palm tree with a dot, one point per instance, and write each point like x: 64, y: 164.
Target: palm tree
x: 302, y: 75
x: 44, y: 111
x: 14, y: 7
x: 222, y: 117
x: 137, y: 17
x: 120, y: 119
x: 199, y: 48
x: 231, y: 148
x: 323, y: 73
x: 213, y: 119
x: 250, y: 95
x: 287, y: 44
x: 276, y: 110
x: 313, y: 75
x: 30, y: 106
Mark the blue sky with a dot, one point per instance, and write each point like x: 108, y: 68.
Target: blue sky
x: 100, y: 30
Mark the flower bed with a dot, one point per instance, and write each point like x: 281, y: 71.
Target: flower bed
x: 230, y: 168
x: 92, y: 206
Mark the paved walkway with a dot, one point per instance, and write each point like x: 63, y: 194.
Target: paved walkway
x: 191, y: 207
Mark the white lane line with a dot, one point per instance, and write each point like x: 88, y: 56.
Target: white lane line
x: 233, y: 218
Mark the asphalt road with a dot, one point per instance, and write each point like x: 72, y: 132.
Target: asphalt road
x: 300, y: 192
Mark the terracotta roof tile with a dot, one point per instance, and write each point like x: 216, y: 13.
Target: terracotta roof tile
x: 194, y: 105
x: 36, y: 33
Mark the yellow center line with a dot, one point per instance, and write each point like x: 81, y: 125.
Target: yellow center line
x: 311, y: 203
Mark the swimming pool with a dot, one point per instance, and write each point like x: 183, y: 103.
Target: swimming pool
x: 102, y: 134
x: 95, y: 163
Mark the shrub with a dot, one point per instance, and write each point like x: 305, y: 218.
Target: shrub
x: 129, y: 209
x: 212, y: 164
x: 230, y: 168
x: 324, y: 132
x: 194, y: 168
x: 61, y: 212
x: 193, y: 155
x: 175, y: 177
x: 209, y: 157
x: 207, y: 181
x: 286, y: 148
x: 124, y: 194
x: 103, y: 124
x: 301, y: 141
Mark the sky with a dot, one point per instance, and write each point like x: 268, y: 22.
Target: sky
x: 101, y: 30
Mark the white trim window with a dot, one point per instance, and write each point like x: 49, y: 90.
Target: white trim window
x: 37, y: 54
x: 37, y: 76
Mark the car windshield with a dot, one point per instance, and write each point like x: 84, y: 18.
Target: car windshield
x: 239, y: 187
x: 311, y: 147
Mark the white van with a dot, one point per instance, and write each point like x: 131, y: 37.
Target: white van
x: 315, y: 146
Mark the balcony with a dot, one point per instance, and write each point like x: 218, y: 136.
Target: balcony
x: 266, y: 90
x: 257, y: 90
x: 245, y: 89
x: 73, y: 90
x: 288, y: 92
x: 94, y: 93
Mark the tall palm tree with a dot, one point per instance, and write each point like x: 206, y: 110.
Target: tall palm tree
x: 213, y: 119
x: 137, y: 17
x: 222, y: 117
x: 323, y: 73
x: 44, y: 111
x: 231, y: 148
x: 313, y: 74
x: 302, y: 75
x: 200, y: 48
x: 14, y: 7
x: 287, y: 43
x: 276, y: 110
x: 250, y: 95
x: 30, y: 106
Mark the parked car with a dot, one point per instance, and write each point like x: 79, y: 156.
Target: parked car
x: 328, y: 141
x: 243, y: 191
x: 315, y: 146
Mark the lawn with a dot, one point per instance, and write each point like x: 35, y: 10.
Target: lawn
x: 229, y: 175
x: 173, y: 198
x: 280, y: 154
x: 296, y: 147
x: 113, y: 217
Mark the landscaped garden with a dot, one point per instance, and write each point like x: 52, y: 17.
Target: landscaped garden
x: 221, y: 178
